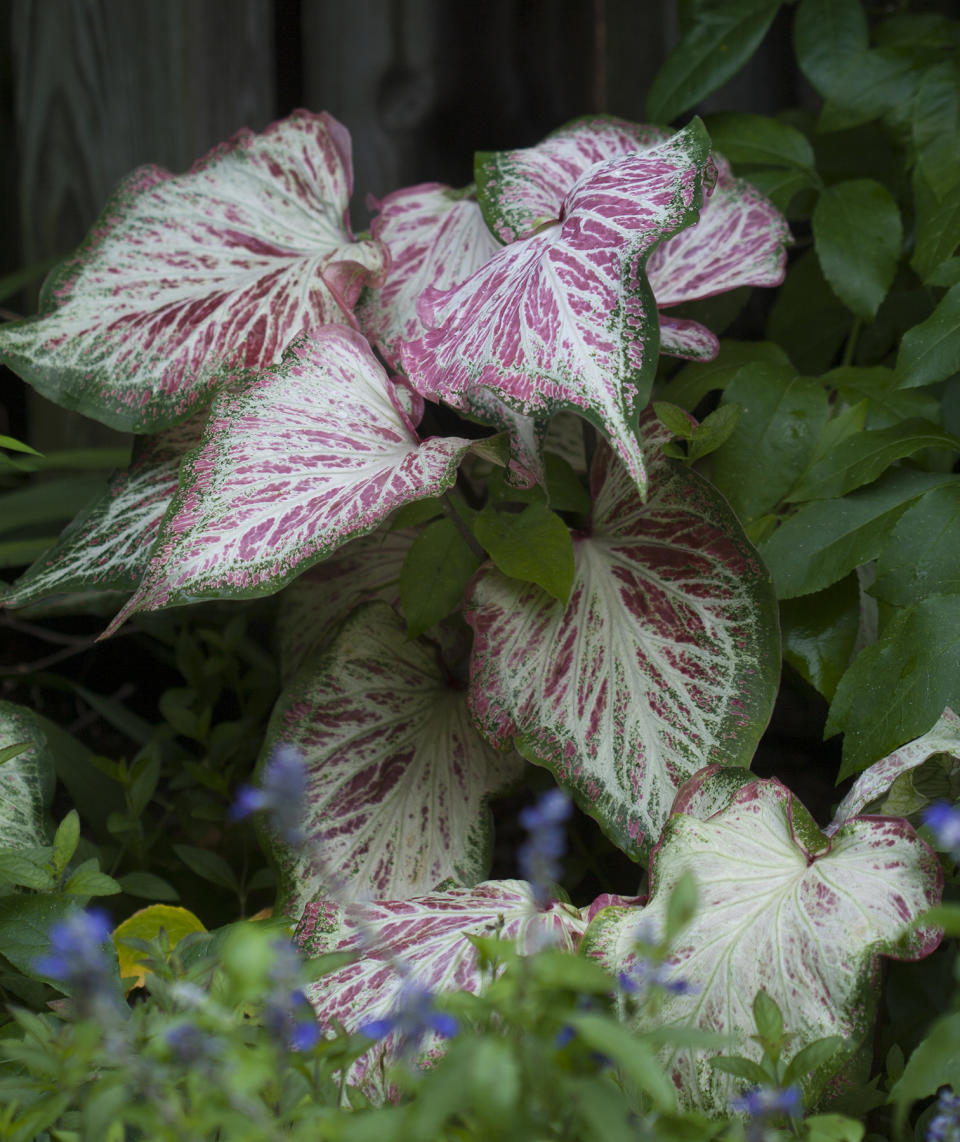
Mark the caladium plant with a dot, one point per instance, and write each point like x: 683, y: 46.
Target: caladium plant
x: 456, y: 607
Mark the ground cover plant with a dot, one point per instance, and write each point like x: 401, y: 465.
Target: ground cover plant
x: 473, y: 522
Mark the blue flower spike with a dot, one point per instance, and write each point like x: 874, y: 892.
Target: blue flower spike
x: 944, y: 1126
x: 943, y: 820
x: 539, y: 856
x: 412, y: 1019
x: 287, y: 1013
x: 764, y: 1103
x: 282, y: 795
x: 80, y: 958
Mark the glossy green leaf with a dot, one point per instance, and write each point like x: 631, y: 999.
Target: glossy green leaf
x: 819, y: 632
x: 746, y: 138
x: 827, y: 539
x: 898, y: 687
x: 931, y: 351
x: 886, y: 404
x: 714, y: 431
x: 934, y: 1063
x: 936, y: 123
x: 922, y: 556
x: 877, y: 82
x: 828, y: 35
x: 857, y: 234
x: 692, y: 383
x: 937, y: 224
x: 781, y: 184
x: 807, y: 320
x: 783, y: 415
x: 533, y: 545
x: 673, y: 417
x: 714, y: 49
x: 437, y: 568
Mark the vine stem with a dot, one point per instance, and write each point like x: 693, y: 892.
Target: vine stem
x: 451, y: 512
x: 851, y: 346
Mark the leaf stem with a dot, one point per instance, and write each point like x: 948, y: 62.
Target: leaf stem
x: 451, y: 512
x: 851, y: 346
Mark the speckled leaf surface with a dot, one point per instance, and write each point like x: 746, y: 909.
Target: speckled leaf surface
x: 26, y: 781
x: 665, y: 659
x: 876, y: 783
x: 781, y: 907
x: 397, y: 775
x: 107, y: 548
x: 186, y: 276
x: 314, y: 605
x: 428, y: 937
x: 292, y: 465
x: 525, y: 324
x: 436, y: 237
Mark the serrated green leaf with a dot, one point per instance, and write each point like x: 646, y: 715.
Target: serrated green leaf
x: 937, y: 224
x: 886, y: 404
x: 19, y: 869
x: 935, y: 116
x: 65, y: 841
x: 819, y: 632
x: 746, y: 138
x: 783, y: 416
x: 674, y: 418
x: 922, y: 555
x: 714, y: 431
x: 930, y: 351
x: 857, y: 235
x: 88, y: 880
x: 828, y: 35
x: 533, y: 545
x: 898, y: 687
x: 714, y: 49
x: 934, y: 1063
x: 435, y: 572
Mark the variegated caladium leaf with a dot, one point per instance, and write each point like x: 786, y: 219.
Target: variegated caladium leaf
x: 436, y: 237
x: 184, y: 277
x: 313, y: 606
x: 107, y: 548
x: 666, y: 657
x: 398, y: 777
x: 427, y: 937
x: 293, y: 464
x: 739, y: 240
x: 525, y: 325
x: 905, y: 782
x: 26, y: 781
x: 783, y: 908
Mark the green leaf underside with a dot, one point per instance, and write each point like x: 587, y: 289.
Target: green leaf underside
x: 781, y: 908
x: 664, y: 659
x: 398, y: 778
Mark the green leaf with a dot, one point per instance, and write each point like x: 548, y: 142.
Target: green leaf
x: 819, y: 632
x: 25, y: 927
x: 17, y: 445
x: 876, y: 83
x: 418, y: 512
x: 937, y: 226
x: 692, y: 383
x: 934, y: 1063
x: 636, y: 1061
x: 886, y: 404
x: 714, y: 431
x: 783, y: 416
x: 857, y: 234
x: 534, y: 546
x: 719, y: 42
x: 860, y: 459
x: 936, y: 124
x: 148, y: 886
x: 922, y: 555
x: 21, y: 552
x: 747, y: 138
x: 828, y: 36
x: 769, y: 1023
x: 813, y: 1056
x: 897, y: 688
x: 930, y: 351
x: 564, y: 490
x: 673, y: 417
x: 88, y: 880
x: 65, y: 841
x: 781, y: 184
x: 806, y: 319
x: 209, y: 866
x: 741, y: 1067
x: 681, y: 907
x: 13, y: 283
x: 9, y: 752
x: 827, y: 539
x: 833, y: 1128
x: 435, y: 572
x: 47, y: 503
x: 18, y: 869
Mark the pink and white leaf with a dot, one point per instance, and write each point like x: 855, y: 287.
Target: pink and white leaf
x: 683, y: 337
x: 398, y: 778
x: 428, y: 938
x: 665, y: 659
x: 293, y: 464
x: 107, y: 548
x: 885, y: 787
x: 314, y: 605
x: 525, y: 326
x: 782, y: 908
x: 186, y: 276
x: 436, y: 237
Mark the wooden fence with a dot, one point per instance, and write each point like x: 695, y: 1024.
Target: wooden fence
x: 89, y: 89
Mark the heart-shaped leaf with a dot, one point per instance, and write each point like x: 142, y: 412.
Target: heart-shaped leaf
x: 524, y: 325
x: 428, y: 939
x: 436, y: 237
x: 27, y: 779
x: 186, y: 276
x: 107, y: 548
x: 292, y: 465
x: 782, y: 908
x: 666, y: 657
x: 397, y: 776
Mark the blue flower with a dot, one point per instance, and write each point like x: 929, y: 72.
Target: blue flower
x: 282, y: 795
x: 191, y: 1045
x: 287, y: 1013
x: 412, y: 1019
x: 945, y: 1124
x: 944, y: 820
x: 80, y: 961
x: 762, y: 1103
x: 644, y: 975
x: 539, y: 856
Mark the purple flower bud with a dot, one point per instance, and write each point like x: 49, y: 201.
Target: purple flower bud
x: 765, y: 1102
x: 944, y: 1126
x: 412, y: 1019
x: 644, y: 975
x: 944, y: 820
x: 539, y: 856
x: 282, y: 795
x: 287, y: 1013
